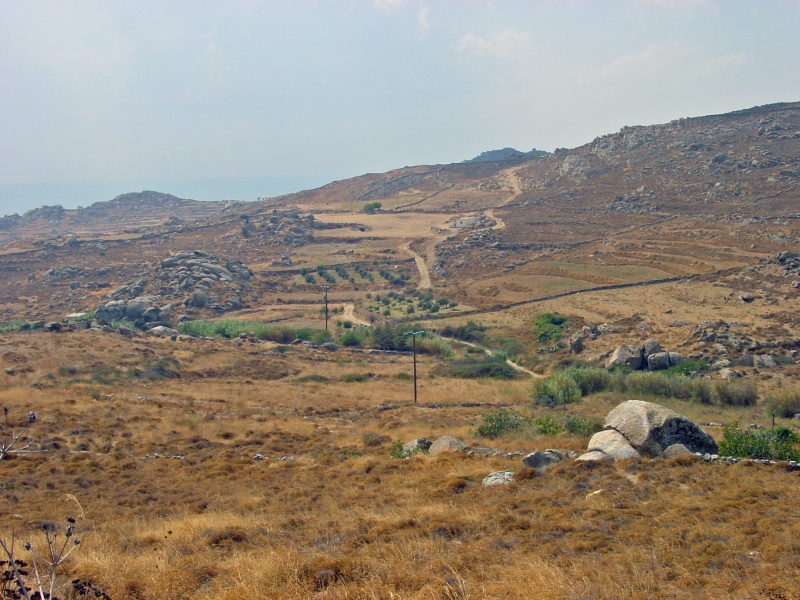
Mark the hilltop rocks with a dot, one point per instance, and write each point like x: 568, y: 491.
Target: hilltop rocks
x: 637, y: 428
x: 625, y: 355
x: 187, y: 278
x: 650, y: 356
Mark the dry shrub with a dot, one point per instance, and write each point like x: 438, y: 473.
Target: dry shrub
x: 456, y: 486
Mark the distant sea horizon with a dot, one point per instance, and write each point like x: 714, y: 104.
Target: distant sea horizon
x: 18, y: 198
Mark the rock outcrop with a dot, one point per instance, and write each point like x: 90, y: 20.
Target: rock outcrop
x: 636, y: 428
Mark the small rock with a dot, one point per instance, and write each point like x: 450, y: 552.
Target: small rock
x: 417, y: 445
x: 498, y: 478
x: 594, y: 456
x: 540, y: 460
x: 446, y: 443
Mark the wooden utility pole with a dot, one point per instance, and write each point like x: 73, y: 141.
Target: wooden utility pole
x: 414, y: 335
x: 325, y: 291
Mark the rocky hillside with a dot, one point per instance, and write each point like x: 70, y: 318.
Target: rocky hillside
x: 126, y: 212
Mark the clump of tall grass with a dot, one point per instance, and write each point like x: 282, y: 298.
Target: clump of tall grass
x: 558, y: 389
x: 785, y: 402
x: 482, y: 367
x: 736, y: 393
x: 434, y: 345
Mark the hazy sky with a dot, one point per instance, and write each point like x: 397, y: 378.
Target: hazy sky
x: 247, y: 98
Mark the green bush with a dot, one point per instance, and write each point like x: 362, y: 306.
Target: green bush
x: 549, y: 327
x: 371, y: 207
x: 547, y: 426
x: 582, y: 427
x: 776, y: 443
x: 556, y: 390
x: 499, y: 423
x: 353, y: 338
x: 689, y: 368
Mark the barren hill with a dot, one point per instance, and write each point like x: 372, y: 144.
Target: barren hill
x: 134, y: 210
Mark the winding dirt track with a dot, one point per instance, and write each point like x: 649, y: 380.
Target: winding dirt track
x: 510, y: 181
x: 510, y: 362
x: 424, y: 275
x: 349, y: 315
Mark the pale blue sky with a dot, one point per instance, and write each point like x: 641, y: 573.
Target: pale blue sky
x: 246, y: 98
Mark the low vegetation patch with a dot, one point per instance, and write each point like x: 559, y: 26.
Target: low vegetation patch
x: 472, y: 367
x: 503, y: 422
x: 775, y: 443
x: 571, y: 384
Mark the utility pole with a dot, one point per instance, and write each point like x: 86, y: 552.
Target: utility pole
x: 325, y: 291
x: 414, y: 335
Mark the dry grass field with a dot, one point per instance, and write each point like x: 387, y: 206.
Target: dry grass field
x: 173, y: 504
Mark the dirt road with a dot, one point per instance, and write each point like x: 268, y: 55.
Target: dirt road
x: 422, y: 267
x: 348, y: 314
x: 510, y: 362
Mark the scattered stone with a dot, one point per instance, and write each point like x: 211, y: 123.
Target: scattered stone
x: 746, y: 297
x: 676, y: 450
x: 446, y: 443
x: 329, y: 346
x: 498, y: 478
x: 540, y: 460
x: 594, y: 456
x: 417, y: 445
x: 162, y: 331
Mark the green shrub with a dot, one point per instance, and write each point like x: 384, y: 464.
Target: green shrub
x: 396, y: 450
x: 371, y: 207
x: 547, y: 426
x: 549, y: 327
x: 776, y: 443
x: 499, y: 423
x: 353, y: 338
x: 582, y: 427
x: 689, y: 368
x: 556, y: 390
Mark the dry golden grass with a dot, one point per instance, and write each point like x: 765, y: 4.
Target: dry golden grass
x: 329, y: 514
